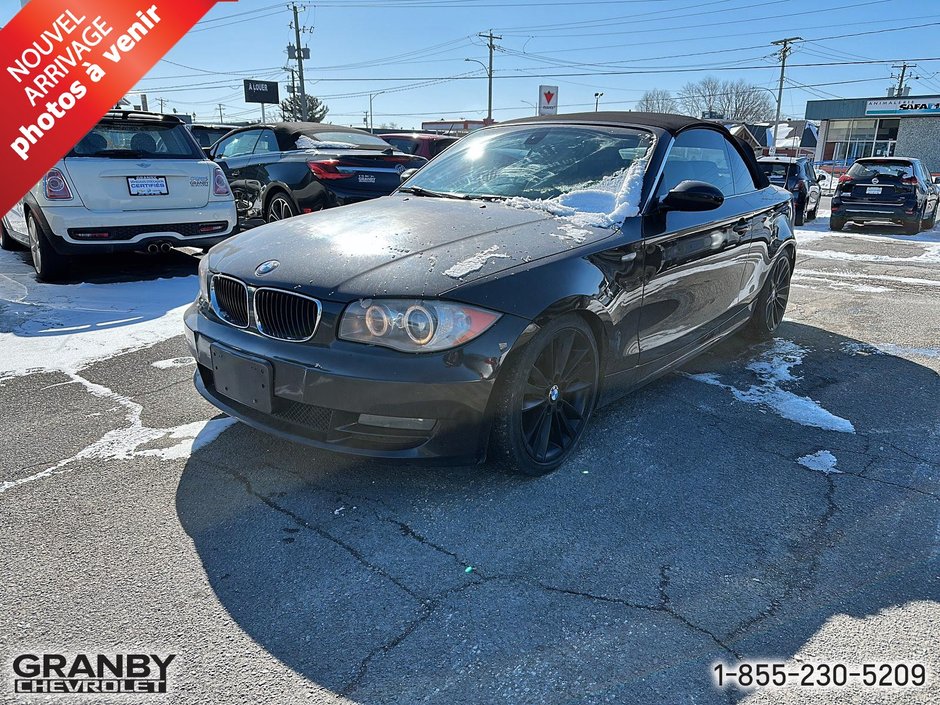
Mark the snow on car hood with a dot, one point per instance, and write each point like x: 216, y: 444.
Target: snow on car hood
x: 603, y: 204
x: 398, y: 245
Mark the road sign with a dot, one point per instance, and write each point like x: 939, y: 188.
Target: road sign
x: 548, y: 100
x: 261, y: 92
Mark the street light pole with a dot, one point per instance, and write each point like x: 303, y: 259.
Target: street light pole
x: 489, y: 74
x: 371, y: 96
x: 597, y: 100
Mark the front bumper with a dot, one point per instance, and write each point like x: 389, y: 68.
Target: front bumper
x: 429, y: 406
x: 134, y: 230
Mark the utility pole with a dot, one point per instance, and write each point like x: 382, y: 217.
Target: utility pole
x: 162, y: 101
x: 904, y: 66
x: 785, y: 50
x: 300, y: 65
x: 492, y: 47
x: 221, y: 119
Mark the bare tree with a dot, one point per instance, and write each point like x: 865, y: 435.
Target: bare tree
x: 734, y: 100
x: 657, y: 100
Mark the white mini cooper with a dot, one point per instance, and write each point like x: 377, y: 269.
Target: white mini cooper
x: 137, y: 181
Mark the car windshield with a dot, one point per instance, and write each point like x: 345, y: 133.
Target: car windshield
x: 541, y: 162
x: 891, y: 170
x: 340, y: 140
x: 124, y: 139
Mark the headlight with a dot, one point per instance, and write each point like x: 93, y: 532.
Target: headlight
x: 204, y: 278
x: 412, y: 325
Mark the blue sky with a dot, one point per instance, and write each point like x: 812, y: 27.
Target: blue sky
x: 416, y: 51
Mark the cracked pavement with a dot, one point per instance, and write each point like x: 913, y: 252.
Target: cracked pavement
x: 685, y: 531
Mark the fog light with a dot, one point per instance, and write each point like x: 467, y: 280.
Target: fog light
x: 399, y: 422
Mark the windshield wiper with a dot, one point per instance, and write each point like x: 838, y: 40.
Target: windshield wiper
x: 418, y: 191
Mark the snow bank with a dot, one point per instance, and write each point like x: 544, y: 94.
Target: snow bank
x: 604, y: 204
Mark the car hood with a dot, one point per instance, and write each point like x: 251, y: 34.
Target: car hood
x: 399, y: 245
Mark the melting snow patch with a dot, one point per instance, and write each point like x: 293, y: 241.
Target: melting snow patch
x: 821, y: 461
x: 127, y: 442
x: 572, y: 233
x: 605, y: 204
x: 888, y: 349
x: 773, y: 368
x: 174, y: 362
x: 472, y: 264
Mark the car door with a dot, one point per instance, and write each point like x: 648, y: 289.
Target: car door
x: 695, y: 262
x: 256, y: 173
x: 232, y: 154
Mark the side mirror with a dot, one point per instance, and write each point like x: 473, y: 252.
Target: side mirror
x: 692, y: 196
x: 936, y: 179
x: 407, y: 174
x: 208, y: 152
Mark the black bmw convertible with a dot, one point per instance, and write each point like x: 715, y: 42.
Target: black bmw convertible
x: 534, y: 270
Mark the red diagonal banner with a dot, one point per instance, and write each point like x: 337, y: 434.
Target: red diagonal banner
x: 64, y: 64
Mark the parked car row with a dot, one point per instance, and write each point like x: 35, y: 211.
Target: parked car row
x: 147, y: 182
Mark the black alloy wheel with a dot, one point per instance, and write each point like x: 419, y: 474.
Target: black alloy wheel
x: 280, y: 208
x: 772, y: 301
x: 548, y: 398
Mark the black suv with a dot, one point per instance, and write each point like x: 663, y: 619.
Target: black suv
x: 798, y: 176
x: 894, y: 189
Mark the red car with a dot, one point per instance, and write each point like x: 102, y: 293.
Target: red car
x: 420, y: 144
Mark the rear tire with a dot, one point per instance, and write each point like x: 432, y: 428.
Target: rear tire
x: 546, y: 395
x: 279, y: 208
x: 772, y: 301
x: 932, y: 220
x: 912, y: 227
x: 799, y: 217
x: 50, y: 266
x: 7, y: 242
x: 836, y: 224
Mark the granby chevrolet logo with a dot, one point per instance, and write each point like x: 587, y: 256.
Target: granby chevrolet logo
x: 82, y: 673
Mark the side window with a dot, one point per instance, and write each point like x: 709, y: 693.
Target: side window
x: 698, y: 155
x: 811, y: 172
x: 439, y: 146
x: 267, y: 143
x: 238, y: 145
x: 743, y: 179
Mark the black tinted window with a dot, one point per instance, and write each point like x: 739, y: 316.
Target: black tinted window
x: 743, y: 179
x: 403, y: 144
x: 438, y: 146
x: 698, y: 155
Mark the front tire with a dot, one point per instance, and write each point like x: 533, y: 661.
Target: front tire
x: 279, y: 208
x: 932, y: 220
x: 799, y: 216
x: 546, y: 396
x: 50, y: 266
x: 836, y: 224
x: 772, y: 301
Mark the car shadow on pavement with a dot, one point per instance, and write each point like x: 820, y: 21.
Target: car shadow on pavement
x: 108, y: 292
x: 692, y: 526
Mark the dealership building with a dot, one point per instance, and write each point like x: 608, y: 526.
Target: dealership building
x: 851, y: 128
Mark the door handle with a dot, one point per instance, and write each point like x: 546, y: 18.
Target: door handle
x: 629, y: 257
x: 741, y: 227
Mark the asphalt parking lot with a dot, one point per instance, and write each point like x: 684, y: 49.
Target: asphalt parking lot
x: 775, y: 502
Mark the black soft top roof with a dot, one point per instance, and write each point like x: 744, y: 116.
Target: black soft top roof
x: 664, y: 121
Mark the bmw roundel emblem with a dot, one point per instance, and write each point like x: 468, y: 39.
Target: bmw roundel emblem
x: 400, y: 169
x: 267, y: 267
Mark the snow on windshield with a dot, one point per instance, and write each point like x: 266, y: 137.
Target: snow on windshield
x: 601, y: 205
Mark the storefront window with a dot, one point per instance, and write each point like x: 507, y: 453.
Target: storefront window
x: 848, y: 140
